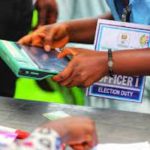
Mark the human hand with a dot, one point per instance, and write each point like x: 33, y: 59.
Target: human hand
x: 85, y: 68
x: 47, y: 10
x: 48, y: 36
x: 78, y: 132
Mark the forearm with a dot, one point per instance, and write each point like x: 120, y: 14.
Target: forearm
x: 83, y: 31
x: 132, y: 62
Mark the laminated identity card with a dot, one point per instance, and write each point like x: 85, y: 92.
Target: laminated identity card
x: 119, y: 36
x: 31, y: 62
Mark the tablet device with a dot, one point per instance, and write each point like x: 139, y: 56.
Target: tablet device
x: 31, y: 62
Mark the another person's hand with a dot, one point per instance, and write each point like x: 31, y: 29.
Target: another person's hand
x: 49, y: 36
x: 78, y: 132
x: 47, y: 10
x: 85, y: 68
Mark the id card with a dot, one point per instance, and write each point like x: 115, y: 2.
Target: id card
x: 119, y: 36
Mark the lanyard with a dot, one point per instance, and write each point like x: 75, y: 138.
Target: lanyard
x: 124, y: 12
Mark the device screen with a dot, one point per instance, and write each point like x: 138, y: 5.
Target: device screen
x: 45, y: 60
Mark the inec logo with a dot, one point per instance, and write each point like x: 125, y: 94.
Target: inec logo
x: 123, y: 40
x: 145, y: 41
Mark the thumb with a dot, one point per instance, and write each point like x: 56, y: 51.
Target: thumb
x: 60, y: 43
x: 68, y: 51
x: 48, y: 41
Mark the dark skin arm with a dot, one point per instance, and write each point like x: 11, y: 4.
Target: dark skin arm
x: 47, y: 10
x: 87, y: 66
x: 77, y: 29
x: 132, y: 62
x: 59, y: 34
x: 77, y: 73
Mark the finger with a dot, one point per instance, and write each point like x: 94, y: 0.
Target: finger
x: 42, y: 32
x: 67, y: 51
x: 83, y: 146
x: 42, y: 17
x: 74, y: 83
x: 66, y: 82
x: 37, y: 39
x: 49, y: 39
x: 72, y: 80
x: 77, y: 147
x: 61, y: 42
x: 64, y: 74
x: 78, y: 79
x: 25, y: 40
x: 30, y: 38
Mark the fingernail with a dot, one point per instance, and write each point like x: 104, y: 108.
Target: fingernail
x: 47, y: 48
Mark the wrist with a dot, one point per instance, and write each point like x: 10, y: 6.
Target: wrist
x: 68, y: 30
x: 72, y: 30
x: 104, y: 62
